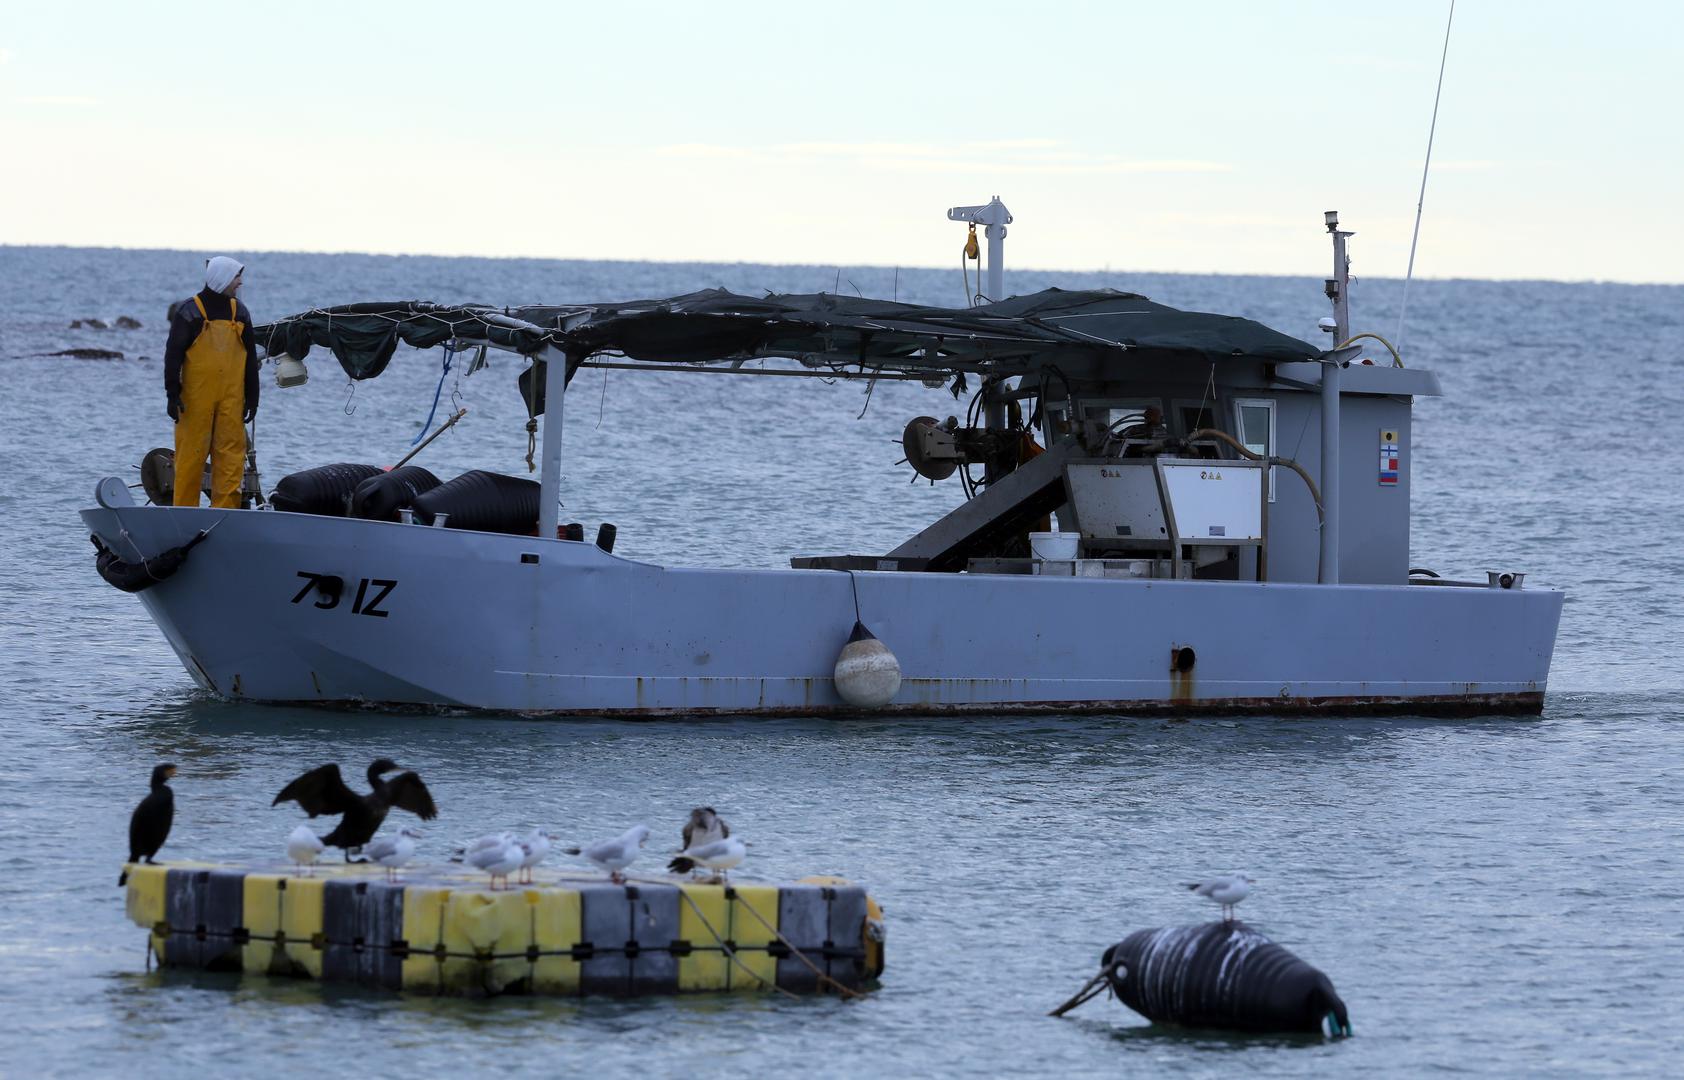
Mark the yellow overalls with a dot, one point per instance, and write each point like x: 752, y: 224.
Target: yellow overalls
x: 213, y: 403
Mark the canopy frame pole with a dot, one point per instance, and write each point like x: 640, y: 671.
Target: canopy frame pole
x: 555, y: 395
x: 555, y: 398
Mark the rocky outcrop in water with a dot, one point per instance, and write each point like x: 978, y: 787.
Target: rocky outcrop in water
x: 88, y: 354
x: 124, y: 322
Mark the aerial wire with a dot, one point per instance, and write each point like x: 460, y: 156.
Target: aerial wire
x: 1421, y: 201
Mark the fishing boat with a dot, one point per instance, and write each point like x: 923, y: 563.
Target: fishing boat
x: 1133, y: 538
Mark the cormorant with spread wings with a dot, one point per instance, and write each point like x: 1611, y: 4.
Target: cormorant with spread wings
x: 323, y: 791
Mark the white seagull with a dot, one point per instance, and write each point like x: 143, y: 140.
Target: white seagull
x: 393, y: 852
x: 719, y: 856
x: 616, y: 854
x: 489, y: 840
x: 1226, y: 889
x: 302, y: 848
x: 537, y: 845
x: 499, y: 860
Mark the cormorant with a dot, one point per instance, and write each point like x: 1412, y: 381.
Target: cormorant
x: 704, y: 827
x: 323, y: 791
x: 149, y: 827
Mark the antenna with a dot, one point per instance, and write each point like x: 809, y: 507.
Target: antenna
x: 1421, y: 201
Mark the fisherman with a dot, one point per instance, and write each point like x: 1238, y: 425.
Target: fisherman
x: 210, y: 375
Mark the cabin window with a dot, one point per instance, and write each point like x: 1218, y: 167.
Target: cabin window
x: 1129, y: 409
x: 1255, y: 426
x: 1194, y: 417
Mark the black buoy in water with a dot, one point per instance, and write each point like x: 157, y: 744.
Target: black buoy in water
x: 1222, y: 975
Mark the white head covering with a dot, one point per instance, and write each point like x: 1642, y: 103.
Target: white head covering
x: 220, y: 273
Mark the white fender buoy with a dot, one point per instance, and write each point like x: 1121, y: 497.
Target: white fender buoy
x: 867, y: 673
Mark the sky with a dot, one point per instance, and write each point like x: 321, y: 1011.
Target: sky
x: 1200, y: 137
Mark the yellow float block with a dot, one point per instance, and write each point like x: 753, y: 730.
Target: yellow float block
x: 423, y: 931
x: 557, y: 918
x: 754, y: 939
x: 301, y: 922
x: 706, y: 967
x: 144, y: 902
x: 486, y: 936
x: 261, y: 916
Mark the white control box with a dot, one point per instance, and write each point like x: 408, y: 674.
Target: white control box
x: 1215, y: 501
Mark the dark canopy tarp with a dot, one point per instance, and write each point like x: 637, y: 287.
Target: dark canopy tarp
x: 364, y: 336
x: 1012, y: 337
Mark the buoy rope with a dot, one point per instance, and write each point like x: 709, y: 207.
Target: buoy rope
x: 1088, y: 992
x: 801, y: 956
x: 279, y: 939
x: 730, y: 953
x: 146, y: 564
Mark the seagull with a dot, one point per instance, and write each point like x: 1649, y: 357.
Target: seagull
x: 323, y: 791
x: 616, y: 854
x: 489, y: 840
x: 704, y: 827
x: 537, y: 844
x: 393, y: 853
x: 302, y: 848
x: 1227, y: 890
x: 719, y: 856
x: 150, y: 824
x: 499, y: 859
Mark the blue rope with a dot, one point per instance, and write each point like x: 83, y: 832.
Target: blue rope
x: 449, y: 352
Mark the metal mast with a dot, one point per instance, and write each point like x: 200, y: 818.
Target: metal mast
x: 1338, y: 291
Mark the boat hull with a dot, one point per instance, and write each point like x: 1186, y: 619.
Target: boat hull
x: 445, y: 618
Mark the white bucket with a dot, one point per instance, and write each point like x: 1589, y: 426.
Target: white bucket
x: 1054, y: 546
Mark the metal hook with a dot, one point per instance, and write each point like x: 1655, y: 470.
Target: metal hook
x: 350, y: 392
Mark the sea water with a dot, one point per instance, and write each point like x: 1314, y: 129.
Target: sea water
x: 1491, y: 895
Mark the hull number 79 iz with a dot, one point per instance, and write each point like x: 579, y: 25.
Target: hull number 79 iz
x: 330, y: 588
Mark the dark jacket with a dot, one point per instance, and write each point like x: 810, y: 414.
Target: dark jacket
x: 185, y: 324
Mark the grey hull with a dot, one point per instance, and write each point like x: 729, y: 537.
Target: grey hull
x: 455, y: 619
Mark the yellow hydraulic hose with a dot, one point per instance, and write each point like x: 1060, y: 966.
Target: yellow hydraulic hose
x: 1397, y: 361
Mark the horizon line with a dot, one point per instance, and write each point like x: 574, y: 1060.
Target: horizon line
x: 816, y: 265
